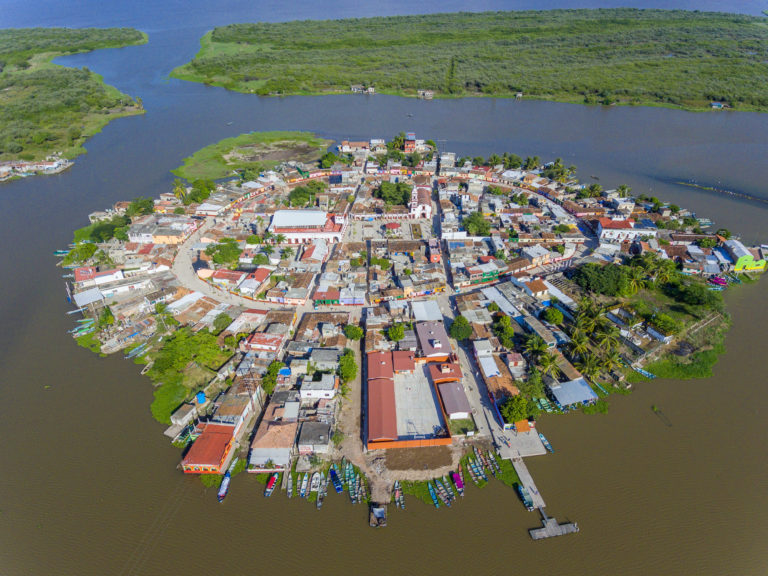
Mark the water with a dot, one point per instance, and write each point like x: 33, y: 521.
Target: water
x: 88, y: 483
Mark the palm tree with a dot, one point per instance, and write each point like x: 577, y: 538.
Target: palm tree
x: 608, y: 339
x: 665, y: 271
x: 179, y: 190
x: 579, y: 343
x: 636, y: 279
x: 259, y: 222
x: 268, y: 250
x: 267, y: 235
x: 279, y: 239
x: 535, y: 345
x: 611, y: 360
x: 586, y: 306
x: 586, y: 323
x: 623, y: 190
x: 286, y: 252
x: 589, y: 366
x: 548, y: 364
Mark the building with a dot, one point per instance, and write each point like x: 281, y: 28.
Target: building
x: 307, y: 226
x: 455, y: 401
x: 314, y: 438
x: 326, y: 387
x: 609, y: 230
x: 421, y: 202
x: 571, y: 394
x: 210, y: 452
x: 274, y: 440
x: 743, y: 259
x: 434, y: 344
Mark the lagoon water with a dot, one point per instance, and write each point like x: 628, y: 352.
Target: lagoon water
x: 88, y: 482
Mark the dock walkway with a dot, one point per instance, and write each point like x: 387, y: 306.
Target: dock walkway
x: 527, y: 480
x: 550, y: 528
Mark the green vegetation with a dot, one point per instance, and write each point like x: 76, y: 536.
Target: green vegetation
x: 184, y: 364
x: 461, y: 427
x: 461, y: 329
x: 476, y: 225
x: 552, y: 315
x: 91, y: 342
x: 502, y: 328
x: 396, y: 332
x: 254, y: 151
x: 382, y: 263
x: 79, y: 254
x: 269, y: 381
x: 518, y: 408
x: 347, y: 366
x: 394, y: 194
x: 221, y: 322
x: 353, y: 332
x: 226, y: 252
x: 305, y: 195
x: 627, y: 56
x: 211, y: 480
x: 46, y: 108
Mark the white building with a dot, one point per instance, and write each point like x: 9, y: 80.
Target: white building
x: 304, y: 226
x: 326, y: 387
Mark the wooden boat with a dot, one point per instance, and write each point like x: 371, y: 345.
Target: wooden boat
x: 352, y: 491
x: 433, y: 495
x: 334, y: 474
x: 314, y: 485
x: 290, y: 485
x: 397, y: 493
x: 525, y: 497
x: 363, y: 490
x: 717, y: 280
x: 321, y: 491
x: 546, y: 443
x: 442, y: 493
x: 224, y: 487
x: 377, y: 517
x: 358, y: 484
x: 449, y: 487
x: 479, y: 470
x: 458, y: 482
x: 344, y: 469
x: 472, y: 474
x: 494, y: 463
x: 350, y: 475
x: 461, y: 473
x: 304, y: 485
x: 271, y: 483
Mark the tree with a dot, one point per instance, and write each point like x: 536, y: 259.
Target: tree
x: 140, y: 206
x: 533, y: 387
x: 353, y: 332
x: 328, y: 159
x: 553, y: 315
x: 269, y: 381
x: 221, y: 322
x: 268, y: 250
x: 347, y: 366
x: 589, y: 366
x: 665, y: 324
x: 579, y: 343
x: 503, y: 330
x: 396, y: 332
x: 226, y: 252
x: 493, y: 307
x: 548, y: 364
x: 278, y: 238
x: 724, y: 232
x: 476, y: 225
x: 179, y: 189
x: 518, y: 408
x: 461, y: 329
x: 535, y: 345
x: 623, y: 190
x: 393, y: 193
x: 608, y: 339
x: 707, y: 242
x: 636, y: 279
x: 286, y: 252
x: 611, y: 359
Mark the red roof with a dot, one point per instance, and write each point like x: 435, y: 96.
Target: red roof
x: 330, y: 294
x: 262, y: 340
x: 146, y: 248
x: 392, y: 225
x: 308, y: 252
x: 609, y: 224
x: 380, y: 366
x: 382, y: 415
x: 211, y: 447
x: 228, y: 275
x: 446, y: 372
x: 403, y: 361
x: 260, y: 274
x: 85, y: 273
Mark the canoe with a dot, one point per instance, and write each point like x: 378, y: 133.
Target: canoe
x: 494, y: 462
x: 335, y: 480
x: 546, y: 443
x: 314, y: 485
x: 473, y: 476
x: 321, y: 491
x: 290, y: 485
x: 344, y: 469
x: 396, y: 492
x: 433, y: 495
x: 224, y: 487
x: 304, y: 486
x: 442, y: 493
x: 352, y: 491
x: 449, y: 487
x: 458, y: 482
x: 525, y: 497
x: 357, y: 487
x: 271, y: 485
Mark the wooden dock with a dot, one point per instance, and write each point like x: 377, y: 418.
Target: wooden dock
x: 551, y: 528
x: 527, y: 481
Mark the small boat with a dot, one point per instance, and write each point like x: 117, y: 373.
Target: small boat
x: 335, y: 480
x: 304, y: 485
x: 480, y: 470
x: 449, y: 487
x: 461, y: 473
x: 397, y: 492
x: 271, y: 483
x: 546, y: 443
x: 321, y: 490
x: 344, y: 469
x: 350, y: 476
x: 458, y: 482
x: 224, y: 487
x: 363, y: 495
x: 377, y: 517
x: 524, y: 497
x: 290, y: 485
x: 718, y: 281
x: 314, y: 485
x: 433, y: 495
x: 472, y: 473
x: 494, y: 462
x: 442, y: 493
x: 352, y: 491
x: 358, y: 483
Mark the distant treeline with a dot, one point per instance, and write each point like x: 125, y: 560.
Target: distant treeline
x: 46, y: 108
x: 603, y: 56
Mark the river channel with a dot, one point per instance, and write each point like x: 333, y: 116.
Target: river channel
x: 88, y: 483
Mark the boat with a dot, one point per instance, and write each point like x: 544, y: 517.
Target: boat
x: 461, y: 474
x: 304, y: 486
x: 478, y: 470
x: 449, y: 487
x: 363, y: 490
x: 494, y: 462
x: 717, y: 280
x: 377, y: 517
x: 335, y: 480
x: 442, y: 492
x: 352, y: 491
x: 314, y: 485
x: 271, y: 483
x: 433, y: 495
x: 546, y: 443
x: 472, y: 474
x: 524, y: 497
x: 358, y: 484
x: 344, y: 469
x: 457, y: 481
x: 224, y: 487
x: 397, y: 493
x: 350, y: 476
x: 290, y: 485
x: 321, y: 490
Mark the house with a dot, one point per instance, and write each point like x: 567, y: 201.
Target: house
x: 325, y: 358
x: 262, y: 341
x: 660, y: 335
x: 210, y: 452
x: 314, y: 438
x: 446, y: 372
x: 537, y: 289
x: 533, y: 325
x: 517, y: 365
x: 274, y: 440
x: 743, y: 259
x: 537, y: 255
x: 455, y: 400
x: 572, y: 393
x: 434, y: 344
x: 326, y: 387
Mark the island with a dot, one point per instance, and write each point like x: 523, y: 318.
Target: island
x: 389, y: 319
x: 48, y: 111
x: 692, y: 60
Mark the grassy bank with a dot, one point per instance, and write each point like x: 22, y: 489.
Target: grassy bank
x: 46, y: 108
x: 256, y: 150
x: 607, y: 56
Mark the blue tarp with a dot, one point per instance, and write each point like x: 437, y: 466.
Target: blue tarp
x: 573, y: 392
x: 285, y: 371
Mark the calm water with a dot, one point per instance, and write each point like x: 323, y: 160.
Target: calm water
x: 88, y: 482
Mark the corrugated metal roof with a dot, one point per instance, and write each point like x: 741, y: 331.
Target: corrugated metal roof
x: 298, y: 218
x: 573, y: 392
x: 454, y: 398
x: 382, y: 414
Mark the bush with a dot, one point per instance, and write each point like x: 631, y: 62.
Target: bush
x: 396, y: 332
x: 552, y: 315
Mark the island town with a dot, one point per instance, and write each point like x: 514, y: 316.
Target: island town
x: 394, y: 319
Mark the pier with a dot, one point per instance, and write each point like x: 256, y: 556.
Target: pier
x: 527, y: 481
x: 551, y: 528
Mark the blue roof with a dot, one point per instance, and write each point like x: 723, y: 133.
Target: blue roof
x: 573, y: 392
x: 285, y: 372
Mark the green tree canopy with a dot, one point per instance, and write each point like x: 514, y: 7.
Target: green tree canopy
x: 396, y: 332
x: 226, y: 252
x: 461, y: 329
x: 553, y: 315
x: 518, y: 408
x: 221, y: 322
x: 347, y: 366
x: 476, y: 225
x: 353, y: 332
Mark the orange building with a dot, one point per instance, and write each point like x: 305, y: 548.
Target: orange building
x: 210, y: 451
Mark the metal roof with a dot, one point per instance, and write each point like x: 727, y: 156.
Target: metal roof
x: 573, y: 392
x: 299, y: 219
